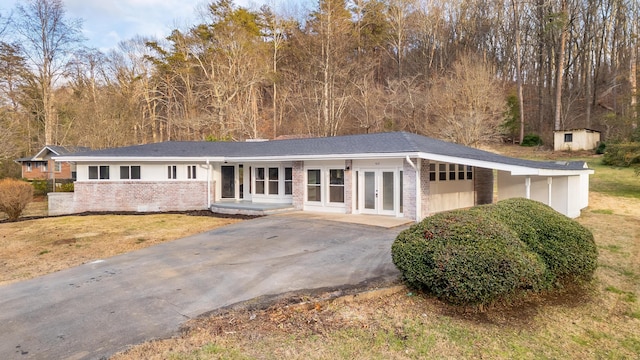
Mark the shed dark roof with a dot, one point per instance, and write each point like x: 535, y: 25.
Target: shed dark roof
x: 378, y: 143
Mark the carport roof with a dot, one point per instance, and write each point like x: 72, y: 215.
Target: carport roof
x: 385, y: 145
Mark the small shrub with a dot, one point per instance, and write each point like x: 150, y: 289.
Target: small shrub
x: 531, y: 140
x: 466, y: 258
x: 66, y: 187
x: 14, y: 197
x: 601, y: 148
x: 40, y: 187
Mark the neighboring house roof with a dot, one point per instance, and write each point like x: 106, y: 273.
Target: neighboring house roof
x: 364, y: 146
x: 54, y: 150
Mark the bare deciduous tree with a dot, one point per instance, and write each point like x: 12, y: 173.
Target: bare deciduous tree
x: 468, y: 104
x: 47, y: 38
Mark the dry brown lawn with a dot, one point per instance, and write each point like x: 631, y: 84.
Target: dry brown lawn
x: 393, y: 323
x: 36, y: 247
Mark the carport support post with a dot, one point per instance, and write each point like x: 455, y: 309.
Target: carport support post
x: 527, y: 187
x: 549, y: 183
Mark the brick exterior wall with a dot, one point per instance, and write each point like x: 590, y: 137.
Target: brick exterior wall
x: 348, y: 186
x: 409, y: 191
x: 483, y: 184
x: 424, y: 188
x: 36, y: 172
x: 140, y: 196
x: 298, y: 185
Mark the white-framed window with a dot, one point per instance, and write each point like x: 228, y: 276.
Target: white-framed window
x: 442, y: 172
x: 433, y: 174
x: 314, y: 185
x: 29, y: 166
x: 172, y: 172
x: 336, y: 185
x: 260, y: 179
x: 288, y: 181
x: 273, y: 180
x: 44, y: 167
x: 57, y: 166
x: 99, y: 172
x: 450, y: 172
x: 191, y: 172
x: 130, y: 172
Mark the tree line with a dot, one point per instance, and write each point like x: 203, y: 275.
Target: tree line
x: 468, y: 71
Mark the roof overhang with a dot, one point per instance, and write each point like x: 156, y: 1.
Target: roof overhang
x: 515, y: 170
x: 128, y: 159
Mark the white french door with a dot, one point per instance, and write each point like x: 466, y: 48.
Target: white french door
x: 377, y: 192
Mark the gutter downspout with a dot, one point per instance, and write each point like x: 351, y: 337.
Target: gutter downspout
x: 527, y: 187
x: 208, y: 184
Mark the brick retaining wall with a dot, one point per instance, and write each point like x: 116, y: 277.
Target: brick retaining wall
x: 140, y: 196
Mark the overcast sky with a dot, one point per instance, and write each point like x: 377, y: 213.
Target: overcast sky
x: 107, y: 22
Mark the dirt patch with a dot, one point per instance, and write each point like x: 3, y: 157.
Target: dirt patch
x: 64, y: 242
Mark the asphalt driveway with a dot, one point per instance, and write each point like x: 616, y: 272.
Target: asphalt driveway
x: 97, y: 309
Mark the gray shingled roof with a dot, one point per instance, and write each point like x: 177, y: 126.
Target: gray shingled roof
x: 63, y: 150
x: 57, y: 150
x: 379, y: 143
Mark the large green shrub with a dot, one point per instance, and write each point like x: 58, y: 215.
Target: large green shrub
x: 531, y: 140
x: 622, y: 154
x: 491, y: 252
x: 466, y: 258
x: 567, y: 248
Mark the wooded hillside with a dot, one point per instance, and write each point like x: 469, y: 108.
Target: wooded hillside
x: 444, y: 68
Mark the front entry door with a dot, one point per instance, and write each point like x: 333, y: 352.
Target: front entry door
x: 228, y: 182
x: 378, y: 192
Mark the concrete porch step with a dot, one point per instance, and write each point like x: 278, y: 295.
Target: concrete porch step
x: 248, y: 208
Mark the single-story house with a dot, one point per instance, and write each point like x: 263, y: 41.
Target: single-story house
x: 41, y: 166
x: 576, y: 139
x: 394, y: 174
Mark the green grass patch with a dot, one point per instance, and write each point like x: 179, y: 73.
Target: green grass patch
x: 612, y: 248
x: 632, y: 344
x: 44, y: 252
x: 633, y: 314
x: 614, y: 181
x: 627, y: 296
x: 603, y: 211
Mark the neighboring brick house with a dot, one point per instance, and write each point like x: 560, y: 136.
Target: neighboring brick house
x: 42, y: 167
x: 393, y: 174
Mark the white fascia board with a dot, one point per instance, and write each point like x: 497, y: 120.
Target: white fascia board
x: 141, y: 159
x: 521, y: 170
x: 513, y: 169
x: 548, y: 172
x: 37, y: 156
x: 364, y: 156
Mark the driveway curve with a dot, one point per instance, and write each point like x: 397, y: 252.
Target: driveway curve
x: 99, y: 308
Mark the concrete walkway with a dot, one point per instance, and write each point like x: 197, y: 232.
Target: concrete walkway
x: 97, y: 309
